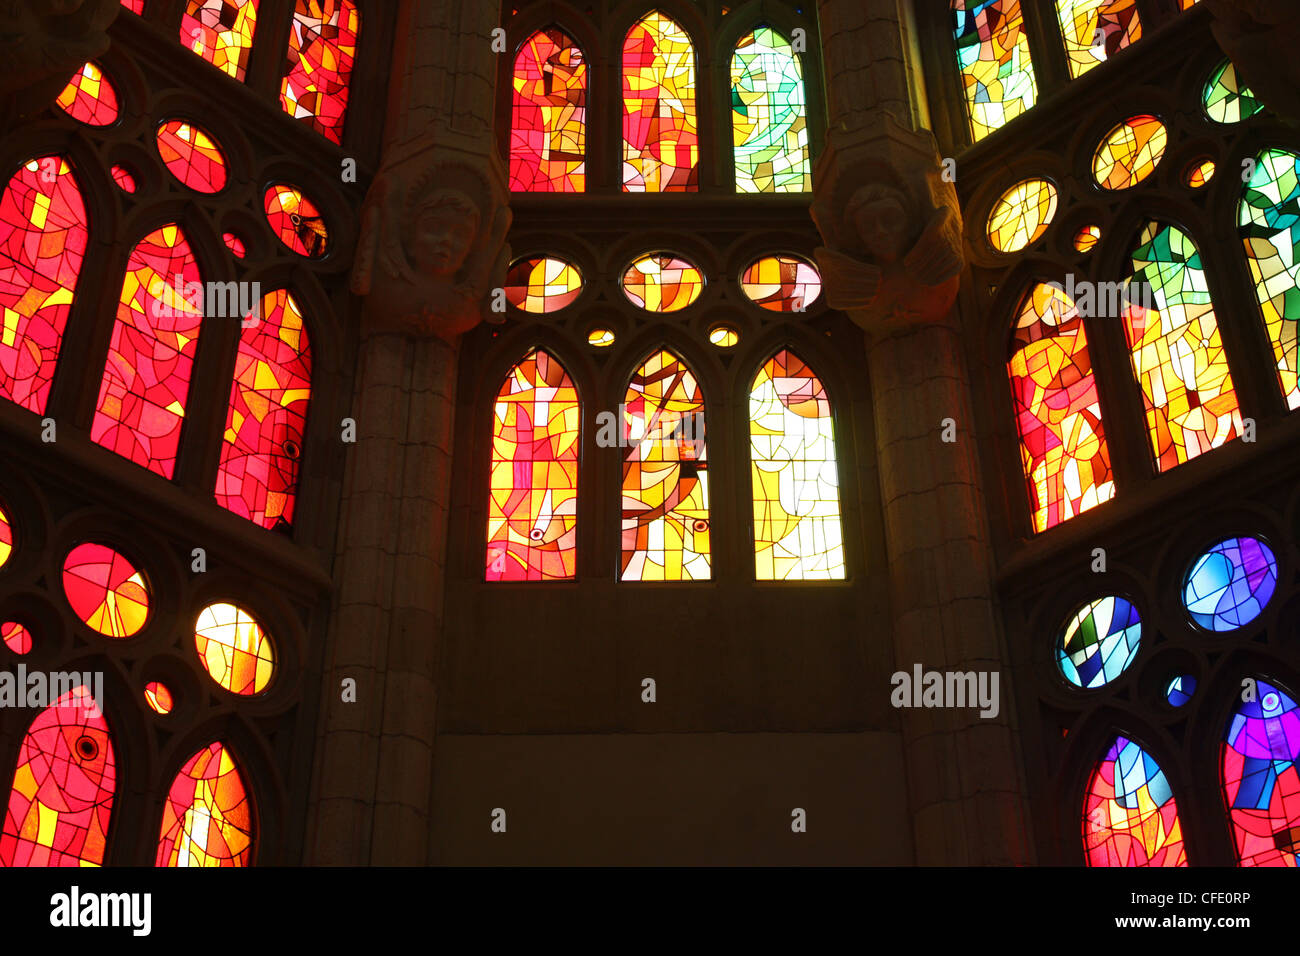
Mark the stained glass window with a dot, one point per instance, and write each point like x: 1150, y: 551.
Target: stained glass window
x: 665, y: 475
x: 1176, y: 351
x: 1130, y: 152
x: 781, y: 283
x: 1261, y: 781
x: 1021, y: 215
x: 1199, y: 174
x: 533, y: 500
x: 234, y: 649
x: 90, y: 97
x: 61, y: 801
x: 1087, y: 237
x: 548, y: 116
x: 266, y: 420
x: 768, y: 116
x: 1268, y: 217
x: 105, y: 590
x: 158, y: 697
x: 135, y: 6
x: 192, y: 156
x: 208, y: 816
x: 16, y: 637
x: 142, y: 397
x: 296, y: 221
x: 43, y: 231
x: 542, y: 284
x: 1180, y: 689
x: 724, y: 336
x: 1230, y: 585
x: 1095, y: 29
x: 6, y: 538
x: 1225, y: 99
x: 993, y: 56
x: 662, y: 283
x: 221, y: 31
x: 122, y: 176
x: 797, y: 530
x: 1130, y: 817
x: 1058, y: 412
x: 661, y: 150
x: 600, y: 337
x: 322, y: 49
x: 1099, y: 642
x: 234, y: 244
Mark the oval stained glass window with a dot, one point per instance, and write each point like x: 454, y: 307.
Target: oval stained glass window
x: 6, y: 537
x: 1099, y: 642
x: 1225, y: 99
x: 1086, y: 238
x: 192, y: 156
x: 1230, y: 584
x: 600, y: 337
x: 105, y: 590
x: 542, y: 284
x: 1130, y: 152
x: 1021, y: 215
x: 125, y: 181
x: 234, y: 649
x: 660, y: 282
x: 234, y: 244
x: 208, y: 817
x: 1180, y: 689
x: 723, y: 336
x: 1130, y: 817
x: 1199, y: 174
x: 158, y: 697
x: 781, y: 283
x: 296, y: 221
x: 90, y: 97
x: 16, y: 637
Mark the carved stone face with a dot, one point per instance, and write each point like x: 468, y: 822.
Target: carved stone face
x: 880, y: 223
x: 441, y: 232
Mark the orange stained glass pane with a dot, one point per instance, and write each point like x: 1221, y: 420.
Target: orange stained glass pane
x: 1095, y: 30
x: 1200, y: 174
x: 208, y: 816
x: 158, y: 697
x: 548, y: 119
x: 781, y: 283
x: 542, y: 284
x: 1087, y: 237
x: 105, y: 590
x: 660, y: 282
x: 296, y: 221
x: 234, y: 649
x: 191, y: 155
x: 322, y: 50
x: 90, y: 97
x: 1130, y: 152
x: 661, y: 150
x: 1021, y: 215
x: 221, y: 31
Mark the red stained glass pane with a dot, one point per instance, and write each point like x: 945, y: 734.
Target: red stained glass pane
x: 16, y: 637
x: 221, y: 31
x: 548, y: 122
x: 62, y: 795
x: 105, y: 590
x: 42, y: 242
x: 158, y: 697
x: 1261, y: 777
x: 90, y: 97
x: 661, y: 150
x: 1130, y: 816
x: 208, y: 818
x: 296, y: 221
x: 322, y: 48
x: 234, y: 244
x: 135, y: 6
x: 142, y: 398
x: 192, y: 156
x: 267, y: 417
x: 125, y: 181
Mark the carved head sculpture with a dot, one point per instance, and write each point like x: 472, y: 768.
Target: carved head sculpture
x: 439, y: 230
x: 878, y: 215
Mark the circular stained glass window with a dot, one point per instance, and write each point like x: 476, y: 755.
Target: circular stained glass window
x: 1180, y: 690
x: 1230, y: 584
x: 1021, y: 215
x: 1086, y: 238
x: 724, y: 336
x: 660, y: 282
x: 781, y: 283
x: 105, y: 590
x: 1130, y: 152
x: 1099, y: 642
x: 542, y: 284
x: 192, y: 156
x: 236, y: 652
x: 600, y: 337
x: 125, y: 181
x: 158, y: 697
x: 296, y: 221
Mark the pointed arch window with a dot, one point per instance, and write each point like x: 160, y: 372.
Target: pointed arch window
x: 221, y: 31
x: 548, y: 115
x: 1261, y: 777
x: 43, y: 236
x: 208, y: 816
x: 798, y: 533
x: 261, y: 451
x: 665, y: 475
x: 1130, y: 816
x: 769, y: 119
x: 1058, y: 412
x: 1094, y: 30
x: 661, y: 151
x: 533, y: 499
x: 322, y: 50
x: 993, y: 56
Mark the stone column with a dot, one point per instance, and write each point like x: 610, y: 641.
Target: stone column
x: 432, y: 249
x: 893, y: 261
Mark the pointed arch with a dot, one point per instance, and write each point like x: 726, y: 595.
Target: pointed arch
x: 221, y: 32
x: 533, y: 496
x: 1130, y: 816
x: 993, y: 57
x: 208, y: 819
x: 1094, y: 30
x: 142, y: 396
x: 798, y: 531
x: 1260, y: 773
x: 1175, y: 349
x: 322, y: 50
x: 43, y: 235
x: 665, y: 524
x: 266, y: 421
x: 1268, y: 218
x: 661, y: 144
x: 548, y: 114
x: 1063, y: 447
x: 769, y: 117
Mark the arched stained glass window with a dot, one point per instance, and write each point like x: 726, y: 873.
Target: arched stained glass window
x: 1269, y: 220
x: 548, y: 115
x: 61, y: 801
x: 221, y: 31
x: 993, y: 56
x: 1176, y: 350
x: 42, y: 241
x: 798, y: 535
x: 665, y: 476
x: 208, y: 816
x: 1261, y: 777
x: 261, y: 451
x: 768, y: 115
x: 1130, y: 817
x: 322, y: 49
x: 661, y: 150
x: 142, y: 397
x: 1058, y: 413
x: 1095, y: 29
x: 90, y: 97
x: 533, y: 499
